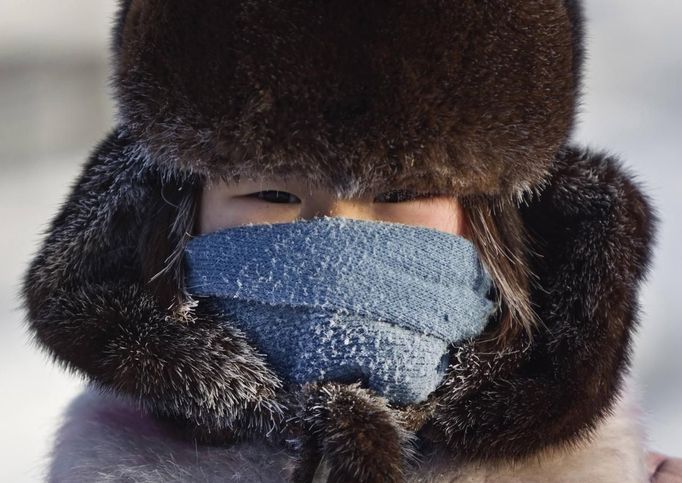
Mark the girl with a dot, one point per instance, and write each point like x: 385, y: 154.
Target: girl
x: 334, y: 241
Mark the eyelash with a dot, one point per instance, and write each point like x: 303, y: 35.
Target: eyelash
x: 263, y: 195
x: 395, y: 196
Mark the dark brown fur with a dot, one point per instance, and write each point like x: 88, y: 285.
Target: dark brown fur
x: 460, y: 97
x: 497, y: 128
x: 593, y: 230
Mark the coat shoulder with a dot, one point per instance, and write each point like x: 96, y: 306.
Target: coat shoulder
x: 614, y: 452
x: 103, y: 438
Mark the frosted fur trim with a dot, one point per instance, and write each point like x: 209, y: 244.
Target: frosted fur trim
x: 105, y: 439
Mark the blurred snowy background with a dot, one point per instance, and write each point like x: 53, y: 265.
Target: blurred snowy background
x: 55, y: 105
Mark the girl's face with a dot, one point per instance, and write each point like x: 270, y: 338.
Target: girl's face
x: 274, y: 200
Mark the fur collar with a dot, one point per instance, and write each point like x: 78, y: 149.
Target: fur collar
x: 107, y: 439
x: 89, y: 305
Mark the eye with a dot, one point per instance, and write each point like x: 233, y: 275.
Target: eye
x: 401, y: 196
x: 273, y: 196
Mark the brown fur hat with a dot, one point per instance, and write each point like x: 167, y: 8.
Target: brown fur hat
x: 460, y: 97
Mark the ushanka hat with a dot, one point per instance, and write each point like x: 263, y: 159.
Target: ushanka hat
x: 463, y: 97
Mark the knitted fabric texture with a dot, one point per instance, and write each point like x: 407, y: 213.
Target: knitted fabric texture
x: 342, y: 299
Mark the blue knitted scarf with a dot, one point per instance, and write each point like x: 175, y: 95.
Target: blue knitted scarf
x: 343, y: 299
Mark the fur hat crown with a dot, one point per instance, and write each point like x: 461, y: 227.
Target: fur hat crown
x: 460, y: 97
